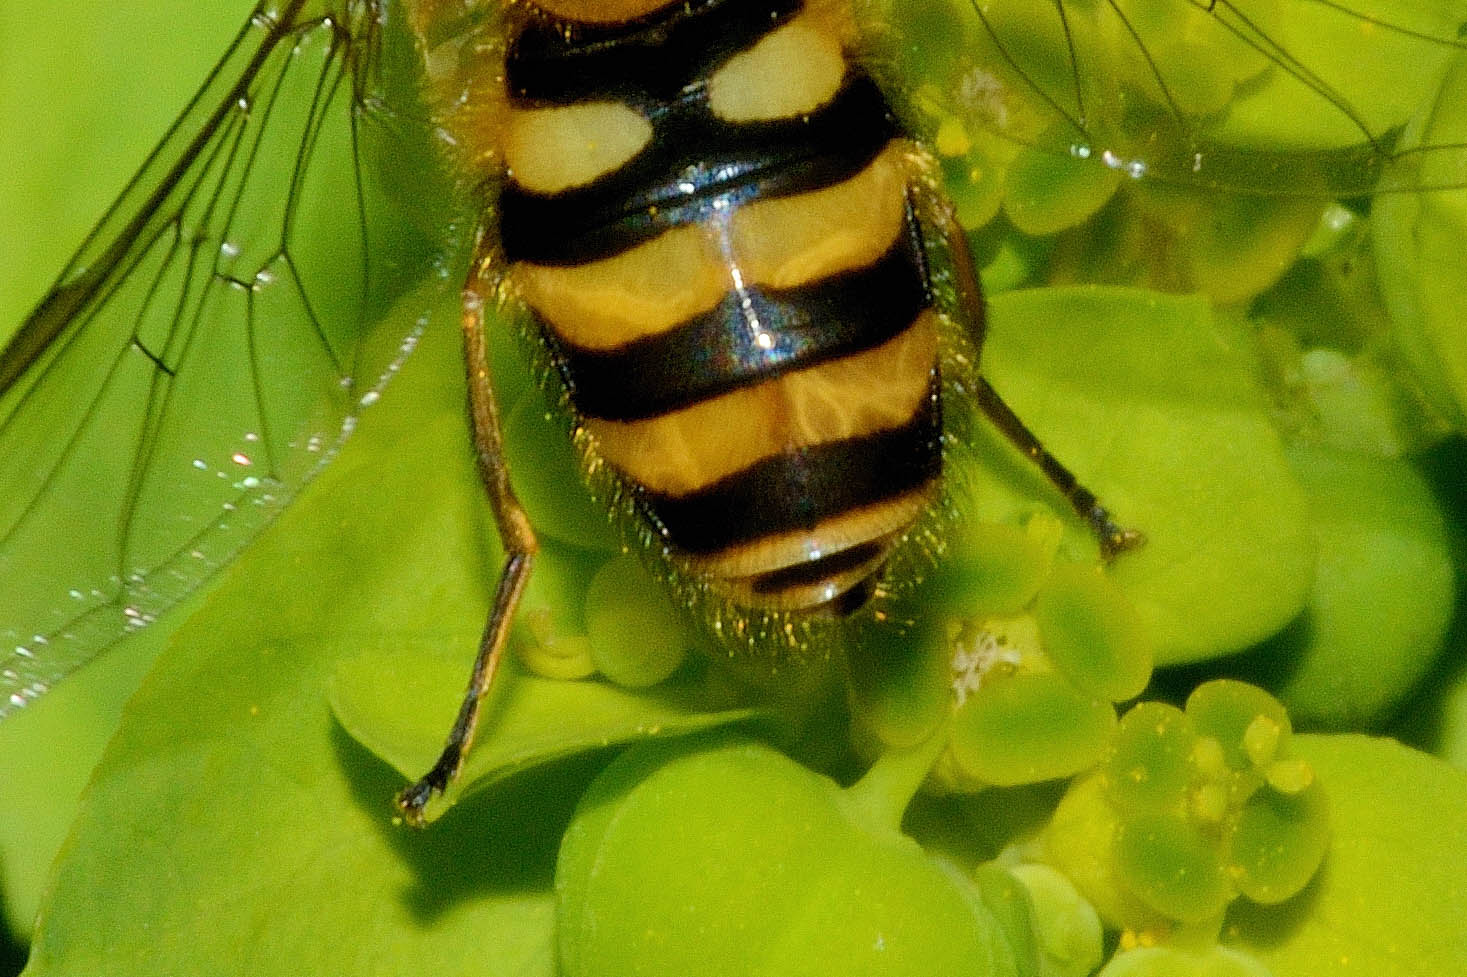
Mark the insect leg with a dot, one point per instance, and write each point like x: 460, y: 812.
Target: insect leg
x: 520, y: 546
x: 1113, y: 538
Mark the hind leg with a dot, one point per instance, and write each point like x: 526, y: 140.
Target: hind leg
x: 937, y: 212
x: 517, y: 536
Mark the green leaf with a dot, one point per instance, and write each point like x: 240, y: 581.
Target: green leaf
x: 233, y: 828
x: 1233, y: 713
x: 1382, y: 599
x: 549, y: 636
x: 1028, y: 727
x: 1154, y: 403
x: 1277, y: 841
x: 1419, y: 241
x: 399, y: 701
x: 1067, y: 926
x: 638, y: 638
x: 1449, y: 740
x: 47, y: 753
x: 1171, y: 865
x: 716, y: 857
x: 71, y: 138
x: 1382, y: 74
x: 1392, y: 897
x: 1044, y: 193
x: 1091, y: 633
x: 994, y: 569
x: 1151, y: 765
x: 1080, y: 840
x: 900, y: 681
x: 1166, y: 961
x: 1229, y: 247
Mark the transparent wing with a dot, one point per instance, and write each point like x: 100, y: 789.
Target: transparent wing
x: 208, y: 348
x: 1264, y: 97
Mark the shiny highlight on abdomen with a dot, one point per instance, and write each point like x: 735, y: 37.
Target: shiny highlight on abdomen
x: 738, y: 304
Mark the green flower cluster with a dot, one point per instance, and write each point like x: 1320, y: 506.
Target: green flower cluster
x: 1191, y: 809
x: 588, y: 609
x: 1041, y: 648
x: 584, y: 616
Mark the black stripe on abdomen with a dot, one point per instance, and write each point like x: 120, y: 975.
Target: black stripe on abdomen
x: 812, y: 572
x: 695, y: 161
x: 641, y: 62
x: 797, y: 490
x: 749, y: 337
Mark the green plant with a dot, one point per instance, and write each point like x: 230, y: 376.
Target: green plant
x: 239, y: 819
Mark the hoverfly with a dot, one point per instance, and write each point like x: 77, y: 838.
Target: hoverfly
x: 216, y: 337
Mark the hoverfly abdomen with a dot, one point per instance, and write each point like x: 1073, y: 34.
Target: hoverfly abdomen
x: 708, y: 214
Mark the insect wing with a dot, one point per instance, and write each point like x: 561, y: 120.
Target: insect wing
x: 210, y: 345
x: 1263, y: 97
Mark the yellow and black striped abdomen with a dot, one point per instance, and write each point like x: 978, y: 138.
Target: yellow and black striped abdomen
x: 708, y: 214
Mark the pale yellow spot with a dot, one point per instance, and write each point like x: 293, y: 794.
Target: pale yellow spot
x: 789, y: 72
x: 789, y: 241
x: 779, y: 243
x: 555, y: 149
x: 640, y: 292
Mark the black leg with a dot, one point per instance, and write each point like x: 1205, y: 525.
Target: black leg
x: 1113, y: 538
x: 520, y: 546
